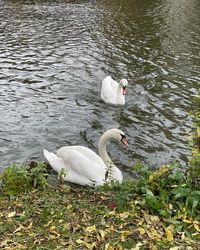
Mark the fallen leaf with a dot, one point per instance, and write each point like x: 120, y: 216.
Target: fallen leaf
x: 30, y: 225
x: 103, y: 198
x: 49, y: 222
x: 88, y: 245
x: 21, y: 246
x: 70, y: 247
x: 108, y: 247
x: 141, y: 230
x: 91, y: 229
x: 124, y: 215
x: 18, y: 229
x: 11, y: 214
x: 137, y: 247
x: 112, y: 205
x: 196, y: 226
x: 102, y: 233
x: 4, y: 242
x: 169, y: 233
x: 69, y: 207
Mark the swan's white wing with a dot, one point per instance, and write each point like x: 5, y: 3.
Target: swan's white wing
x: 88, y: 153
x: 83, y: 165
x: 109, y: 90
x: 114, y: 85
x: 56, y: 162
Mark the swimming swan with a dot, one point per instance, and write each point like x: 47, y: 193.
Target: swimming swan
x: 85, y: 167
x: 112, y: 91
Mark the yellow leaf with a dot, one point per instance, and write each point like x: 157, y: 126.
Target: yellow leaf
x: 123, y: 238
x: 196, y: 227
x: 70, y: 247
x: 20, y: 246
x: 187, y: 221
x: 108, y: 247
x: 174, y: 248
x: 4, y: 242
x: 91, y: 229
x: 154, y: 218
x: 49, y: 222
x: 54, y: 232
x: 19, y: 233
x: 32, y: 234
x: 126, y: 233
x: 110, y: 228
x: 30, y: 225
x: 124, y: 215
x: 137, y: 247
x: 154, y: 234
x: 52, y: 237
x: 169, y: 234
x: 151, y: 177
x: 112, y: 212
x: 103, y: 198
x: 102, y: 233
x: 89, y: 246
x: 11, y: 214
x: 141, y: 230
x: 79, y: 241
x: 153, y: 247
x: 69, y: 207
x: 118, y: 247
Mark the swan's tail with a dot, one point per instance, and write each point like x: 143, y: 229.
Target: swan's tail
x: 56, y: 163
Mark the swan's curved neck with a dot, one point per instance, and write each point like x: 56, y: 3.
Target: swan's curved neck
x: 102, y: 149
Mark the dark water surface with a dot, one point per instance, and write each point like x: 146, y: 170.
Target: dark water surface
x: 54, y: 55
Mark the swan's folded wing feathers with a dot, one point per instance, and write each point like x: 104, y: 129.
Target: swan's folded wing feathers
x: 88, y: 153
x: 81, y: 165
x: 56, y: 162
x: 114, y: 85
x: 109, y: 90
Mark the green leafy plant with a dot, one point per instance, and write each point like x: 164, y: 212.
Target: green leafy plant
x: 62, y: 174
x: 21, y: 178
x: 39, y: 175
x: 15, y: 179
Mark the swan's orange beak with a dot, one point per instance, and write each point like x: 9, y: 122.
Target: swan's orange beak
x: 124, y: 91
x: 125, y: 141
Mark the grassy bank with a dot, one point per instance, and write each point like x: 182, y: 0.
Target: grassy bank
x: 159, y: 209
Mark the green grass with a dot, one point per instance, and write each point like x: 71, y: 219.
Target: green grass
x: 158, y: 210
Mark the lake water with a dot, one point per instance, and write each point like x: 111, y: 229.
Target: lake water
x: 54, y: 55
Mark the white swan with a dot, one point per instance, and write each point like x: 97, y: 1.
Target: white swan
x: 85, y: 167
x: 112, y: 91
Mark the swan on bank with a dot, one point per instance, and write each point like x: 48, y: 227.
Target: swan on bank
x: 112, y: 91
x: 83, y: 166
